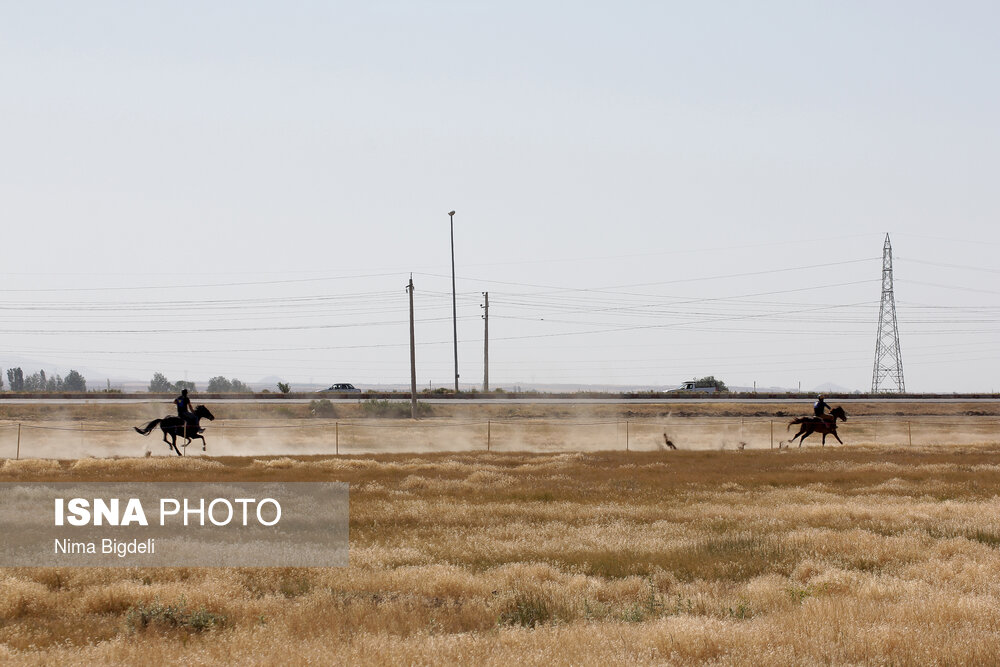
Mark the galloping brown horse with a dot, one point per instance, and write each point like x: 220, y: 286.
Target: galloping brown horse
x: 827, y: 425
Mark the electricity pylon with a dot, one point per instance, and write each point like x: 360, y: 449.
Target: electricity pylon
x: 887, y: 375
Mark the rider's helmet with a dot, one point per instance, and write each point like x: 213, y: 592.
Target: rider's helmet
x: 184, y: 392
x: 820, y: 397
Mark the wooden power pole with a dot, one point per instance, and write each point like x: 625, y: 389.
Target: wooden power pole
x: 413, y: 357
x: 486, y: 342
x: 454, y: 307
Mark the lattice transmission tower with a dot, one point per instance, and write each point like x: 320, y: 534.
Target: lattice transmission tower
x: 888, y: 373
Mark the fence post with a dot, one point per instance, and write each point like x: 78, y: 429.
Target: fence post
x: 489, y: 434
x: 626, y: 435
x: 337, y: 427
x: 909, y: 434
x: 875, y: 432
x: 18, y: 455
x: 772, y: 433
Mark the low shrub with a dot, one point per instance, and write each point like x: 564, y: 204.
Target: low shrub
x: 172, y: 616
x: 322, y: 408
x: 374, y: 407
x: 528, y: 611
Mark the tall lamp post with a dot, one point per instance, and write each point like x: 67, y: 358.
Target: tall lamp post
x: 454, y: 307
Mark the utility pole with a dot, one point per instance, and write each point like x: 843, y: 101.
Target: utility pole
x: 413, y: 357
x: 486, y: 342
x: 888, y: 369
x: 454, y: 308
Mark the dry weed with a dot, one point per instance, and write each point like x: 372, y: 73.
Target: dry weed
x: 848, y: 556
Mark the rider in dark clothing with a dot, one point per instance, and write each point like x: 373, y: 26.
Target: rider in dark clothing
x: 183, y: 404
x: 819, y: 406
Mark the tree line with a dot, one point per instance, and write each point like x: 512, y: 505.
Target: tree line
x: 217, y: 385
x: 36, y: 382
x: 710, y: 381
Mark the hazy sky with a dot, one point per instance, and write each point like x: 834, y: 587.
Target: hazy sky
x: 649, y: 191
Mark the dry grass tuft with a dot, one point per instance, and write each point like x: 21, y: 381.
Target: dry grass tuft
x: 29, y: 466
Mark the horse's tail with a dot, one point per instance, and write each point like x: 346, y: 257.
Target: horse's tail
x: 797, y: 420
x: 145, y: 430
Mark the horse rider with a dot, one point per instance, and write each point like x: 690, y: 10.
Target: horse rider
x: 183, y: 404
x: 820, y: 406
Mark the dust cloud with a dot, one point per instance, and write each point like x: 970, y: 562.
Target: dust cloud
x: 55, y: 439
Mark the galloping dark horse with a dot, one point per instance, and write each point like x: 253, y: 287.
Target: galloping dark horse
x: 827, y: 425
x: 175, y: 426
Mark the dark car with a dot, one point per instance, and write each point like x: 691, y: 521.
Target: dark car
x: 343, y: 388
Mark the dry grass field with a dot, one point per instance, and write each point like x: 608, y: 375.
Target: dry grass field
x: 847, y: 555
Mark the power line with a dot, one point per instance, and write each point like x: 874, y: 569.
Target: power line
x: 949, y: 266
x: 951, y: 287
x: 612, y: 288
x: 665, y: 253
x: 122, y: 288
x: 42, y: 332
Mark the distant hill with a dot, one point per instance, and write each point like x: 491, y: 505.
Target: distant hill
x: 96, y: 379
x: 831, y: 388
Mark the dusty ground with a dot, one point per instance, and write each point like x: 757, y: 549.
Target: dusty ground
x: 79, y: 431
x: 277, y: 410
x: 848, y: 555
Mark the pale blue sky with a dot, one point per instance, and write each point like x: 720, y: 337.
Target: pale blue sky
x: 584, y: 145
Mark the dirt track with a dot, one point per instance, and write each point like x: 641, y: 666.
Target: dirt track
x: 60, y: 431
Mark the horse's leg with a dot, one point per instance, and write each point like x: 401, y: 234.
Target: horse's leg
x: 171, y: 445
x: 203, y: 443
x: 824, y: 439
x: 837, y: 437
x: 801, y: 440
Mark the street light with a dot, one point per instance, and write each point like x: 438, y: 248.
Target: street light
x: 454, y: 308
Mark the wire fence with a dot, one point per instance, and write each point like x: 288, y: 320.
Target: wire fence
x: 369, y: 436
